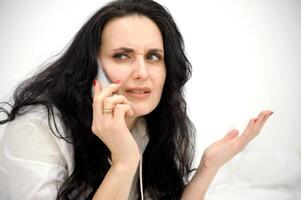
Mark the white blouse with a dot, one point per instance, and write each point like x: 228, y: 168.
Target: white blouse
x: 34, y: 163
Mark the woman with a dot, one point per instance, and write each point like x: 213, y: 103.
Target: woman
x: 65, y: 142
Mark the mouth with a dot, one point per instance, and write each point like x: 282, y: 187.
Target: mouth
x: 138, y: 92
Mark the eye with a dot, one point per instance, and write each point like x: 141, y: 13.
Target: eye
x: 120, y: 56
x: 153, y: 57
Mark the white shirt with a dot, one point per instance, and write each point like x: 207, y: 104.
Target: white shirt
x: 34, y: 163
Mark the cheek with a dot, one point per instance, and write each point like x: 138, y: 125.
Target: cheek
x: 118, y: 74
x: 160, y: 78
x: 115, y: 71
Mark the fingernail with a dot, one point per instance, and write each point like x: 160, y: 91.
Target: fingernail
x: 255, y: 120
x: 271, y: 113
x: 117, y: 82
x: 94, y: 82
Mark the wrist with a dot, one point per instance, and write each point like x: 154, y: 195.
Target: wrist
x: 125, y: 167
x: 208, y: 166
x: 199, y: 184
x: 205, y: 173
x: 130, y: 161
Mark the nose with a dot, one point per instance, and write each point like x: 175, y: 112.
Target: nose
x: 140, y: 69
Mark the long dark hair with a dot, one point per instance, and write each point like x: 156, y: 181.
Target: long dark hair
x: 65, y: 85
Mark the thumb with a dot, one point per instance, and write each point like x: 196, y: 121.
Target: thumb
x: 230, y: 135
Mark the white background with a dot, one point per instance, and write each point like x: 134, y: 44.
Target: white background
x: 246, y: 57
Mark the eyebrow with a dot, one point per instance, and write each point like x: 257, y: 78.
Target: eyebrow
x: 130, y: 50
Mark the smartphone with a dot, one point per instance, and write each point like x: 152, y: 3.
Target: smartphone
x: 102, y: 76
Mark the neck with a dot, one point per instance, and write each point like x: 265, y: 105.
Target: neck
x: 131, y: 121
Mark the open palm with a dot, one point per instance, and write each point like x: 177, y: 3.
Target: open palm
x: 223, y: 150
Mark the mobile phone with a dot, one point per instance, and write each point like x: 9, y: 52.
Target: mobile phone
x: 102, y: 76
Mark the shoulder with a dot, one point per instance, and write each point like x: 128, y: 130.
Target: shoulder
x: 30, y: 137
x: 33, y: 161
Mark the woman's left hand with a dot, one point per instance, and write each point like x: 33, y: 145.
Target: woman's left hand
x: 231, y: 144
x: 220, y: 152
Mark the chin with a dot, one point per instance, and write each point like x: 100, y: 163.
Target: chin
x: 142, y: 110
x: 140, y: 113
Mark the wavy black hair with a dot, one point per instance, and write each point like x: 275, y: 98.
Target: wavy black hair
x: 65, y: 84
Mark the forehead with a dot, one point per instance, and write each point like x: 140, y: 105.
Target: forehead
x: 135, y: 31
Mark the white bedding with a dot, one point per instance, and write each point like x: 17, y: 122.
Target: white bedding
x: 266, y: 175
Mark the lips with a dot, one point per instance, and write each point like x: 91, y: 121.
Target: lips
x: 138, y: 90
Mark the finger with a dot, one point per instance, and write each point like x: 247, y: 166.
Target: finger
x: 254, y: 124
x: 96, y: 88
x: 100, y: 95
x: 111, y: 102
x: 97, y: 101
x: 246, y: 136
x: 263, y: 117
x: 110, y: 89
x: 121, y: 110
x: 250, y: 128
x: 230, y: 135
x: 115, y: 99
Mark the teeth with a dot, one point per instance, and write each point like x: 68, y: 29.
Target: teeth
x: 137, y: 92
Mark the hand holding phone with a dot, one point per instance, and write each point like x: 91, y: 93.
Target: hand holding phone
x: 102, y: 76
x: 109, y: 120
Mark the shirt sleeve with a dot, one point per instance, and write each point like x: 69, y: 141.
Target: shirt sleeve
x: 34, y: 162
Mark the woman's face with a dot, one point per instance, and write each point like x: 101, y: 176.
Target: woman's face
x: 132, y: 52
